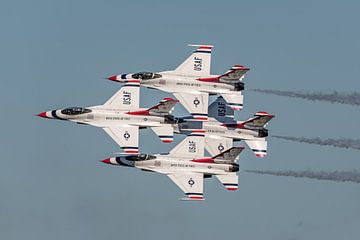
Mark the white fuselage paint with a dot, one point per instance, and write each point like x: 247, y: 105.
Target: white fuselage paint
x: 101, y: 116
x: 171, y: 82
x: 214, y: 128
x: 165, y: 164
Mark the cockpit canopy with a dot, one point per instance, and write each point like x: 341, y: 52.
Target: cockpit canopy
x: 140, y: 157
x: 146, y: 75
x: 75, y: 111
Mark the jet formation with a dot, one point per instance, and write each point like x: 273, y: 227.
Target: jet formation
x: 211, y: 127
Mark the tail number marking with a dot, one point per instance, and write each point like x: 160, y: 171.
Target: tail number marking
x: 192, y: 147
x: 126, y: 98
x: 197, y: 64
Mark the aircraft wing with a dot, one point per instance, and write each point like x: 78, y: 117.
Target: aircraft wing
x: 195, y: 103
x: 216, y: 144
x: 127, y: 137
x: 191, y: 184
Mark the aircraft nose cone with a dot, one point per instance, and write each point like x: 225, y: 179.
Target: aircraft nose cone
x: 113, y: 78
x: 43, y: 115
x: 107, y: 161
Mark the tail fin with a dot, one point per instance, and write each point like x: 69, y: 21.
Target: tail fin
x: 228, y: 156
x: 198, y: 63
x: 164, y: 108
x: 260, y: 120
x: 236, y: 73
x: 127, y: 98
x: 220, y: 110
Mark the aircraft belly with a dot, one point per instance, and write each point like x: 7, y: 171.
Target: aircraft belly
x: 247, y: 133
x: 181, y: 166
x: 243, y: 136
x: 229, y: 133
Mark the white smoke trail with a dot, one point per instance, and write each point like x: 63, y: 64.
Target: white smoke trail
x: 335, y: 97
x: 340, y: 143
x: 337, y: 176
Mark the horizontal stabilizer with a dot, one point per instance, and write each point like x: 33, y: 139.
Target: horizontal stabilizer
x: 234, y: 101
x: 230, y: 181
x: 258, y: 146
x: 165, y: 133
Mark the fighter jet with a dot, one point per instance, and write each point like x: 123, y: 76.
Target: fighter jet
x: 222, y: 129
x: 121, y: 117
x: 192, y: 83
x: 186, y: 165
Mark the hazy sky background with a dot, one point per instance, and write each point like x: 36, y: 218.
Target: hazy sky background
x: 56, y: 54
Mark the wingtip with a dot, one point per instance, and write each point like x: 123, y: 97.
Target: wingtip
x: 201, y: 45
x: 192, y: 199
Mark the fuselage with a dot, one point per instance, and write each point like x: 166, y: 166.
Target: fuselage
x: 215, y: 128
x: 102, y: 116
x: 166, y: 164
x: 170, y: 81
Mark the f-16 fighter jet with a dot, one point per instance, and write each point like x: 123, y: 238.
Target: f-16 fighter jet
x: 121, y: 117
x: 222, y: 129
x: 192, y: 83
x: 186, y: 165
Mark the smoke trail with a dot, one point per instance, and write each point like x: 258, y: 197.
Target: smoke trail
x: 337, y: 176
x: 335, y: 97
x: 340, y: 143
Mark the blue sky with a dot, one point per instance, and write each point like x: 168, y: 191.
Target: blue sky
x: 56, y: 54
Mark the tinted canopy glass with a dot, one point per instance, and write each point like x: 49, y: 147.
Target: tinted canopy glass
x: 75, y: 111
x: 145, y: 75
x: 140, y: 157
